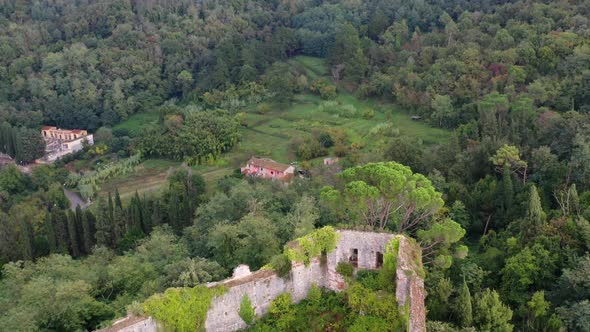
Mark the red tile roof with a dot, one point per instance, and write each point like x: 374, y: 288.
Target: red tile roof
x: 268, y: 163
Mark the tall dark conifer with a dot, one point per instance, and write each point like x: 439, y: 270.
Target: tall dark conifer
x: 26, y: 239
x: 60, y: 228
x: 73, y: 233
x: 89, y: 230
x: 508, y: 193
x: 51, y: 240
x: 104, y: 226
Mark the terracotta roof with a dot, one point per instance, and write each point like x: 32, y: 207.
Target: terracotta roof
x: 268, y: 163
x: 48, y: 128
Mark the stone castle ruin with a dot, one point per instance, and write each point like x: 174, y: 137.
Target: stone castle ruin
x: 363, y: 249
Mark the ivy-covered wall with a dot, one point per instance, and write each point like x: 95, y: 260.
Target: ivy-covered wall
x: 223, y: 300
x: 182, y: 309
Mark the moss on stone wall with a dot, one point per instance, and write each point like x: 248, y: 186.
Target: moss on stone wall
x: 182, y: 309
x: 321, y: 241
x: 415, y: 255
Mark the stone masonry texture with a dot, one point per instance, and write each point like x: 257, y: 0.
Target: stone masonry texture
x: 263, y: 286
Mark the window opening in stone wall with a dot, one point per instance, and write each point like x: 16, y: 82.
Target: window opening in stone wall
x: 379, y: 260
x: 354, y: 257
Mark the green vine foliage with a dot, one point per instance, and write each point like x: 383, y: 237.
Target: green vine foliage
x: 247, y: 312
x: 182, y: 309
x: 387, y: 274
x: 345, y: 269
x: 312, y: 245
x: 281, y: 264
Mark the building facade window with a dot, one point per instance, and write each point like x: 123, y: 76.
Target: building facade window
x: 379, y: 260
x: 354, y: 257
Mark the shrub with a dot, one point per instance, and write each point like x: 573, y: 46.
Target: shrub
x: 281, y: 310
x: 368, y: 113
x: 328, y: 92
x: 182, y: 309
x: 348, y: 111
x: 317, y: 85
x: 314, y: 295
x: 263, y: 108
x: 340, y: 150
x: 281, y: 264
x: 310, y: 149
x: 321, y: 241
x: 387, y: 274
x: 375, y: 303
x: 331, y: 107
x: 345, y: 269
x: 369, y: 279
x: 120, y: 132
x: 369, y: 324
x: 247, y: 312
x: 325, y: 140
x: 384, y: 129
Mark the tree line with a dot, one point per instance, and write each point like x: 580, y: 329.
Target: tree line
x: 22, y: 144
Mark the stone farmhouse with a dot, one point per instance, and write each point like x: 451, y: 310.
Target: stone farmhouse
x: 268, y: 169
x: 363, y: 249
x: 60, y: 142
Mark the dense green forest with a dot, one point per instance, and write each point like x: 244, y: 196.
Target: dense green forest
x: 501, y: 208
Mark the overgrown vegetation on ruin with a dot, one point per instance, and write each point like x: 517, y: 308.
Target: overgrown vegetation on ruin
x: 366, y: 305
x: 319, y: 242
x: 182, y: 309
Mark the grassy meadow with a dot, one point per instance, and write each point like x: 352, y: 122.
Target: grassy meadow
x: 271, y: 134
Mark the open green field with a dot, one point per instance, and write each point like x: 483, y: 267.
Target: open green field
x: 137, y: 122
x: 150, y: 177
x: 271, y: 134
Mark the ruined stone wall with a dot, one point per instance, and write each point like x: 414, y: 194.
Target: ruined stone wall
x: 263, y: 286
x: 133, y: 324
x: 409, y: 289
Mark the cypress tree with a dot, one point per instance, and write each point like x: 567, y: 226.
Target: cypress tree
x: 463, y: 307
x: 575, y: 200
x: 173, y: 210
x: 26, y: 239
x: 111, y: 209
x: 8, y: 247
x: 118, y: 203
x: 60, y: 228
x: 119, y: 223
x: 137, y: 212
x: 4, y: 130
x: 73, y: 233
x: 89, y: 230
x: 535, y: 217
x: 104, y: 227
x: 146, y: 221
x: 78, y: 214
x: 508, y: 191
x: 156, y: 213
x: 50, y: 233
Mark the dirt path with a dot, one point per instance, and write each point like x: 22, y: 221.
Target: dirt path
x: 75, y: 200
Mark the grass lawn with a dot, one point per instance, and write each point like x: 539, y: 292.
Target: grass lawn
x: 137, y: 122
x: 150, y: 177
x: 270, y: 135
x: 314, y: 67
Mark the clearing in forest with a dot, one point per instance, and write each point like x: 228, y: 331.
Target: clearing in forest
x: 275, y: 134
